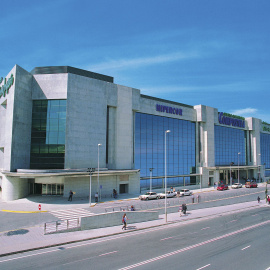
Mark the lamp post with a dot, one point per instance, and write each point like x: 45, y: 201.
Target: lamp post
x: 151, y: 170
x: 238, y: 166
x: 167, y: 131
x: 259, y: 161
x: 90, y: 170
x: 98, y: 173
x: 231, y: 172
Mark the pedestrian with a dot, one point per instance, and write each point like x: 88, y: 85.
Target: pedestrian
x: 132, y: 208
x: 192, y: 197
x: 268, y: 199
x: 114, y: 193
x: 259, y: 199
x: 70, y: 196
x: 180, y: 209
x: 198, y: 198
x: 96, y: 197
x: 184, y: 208
x: 124, y: 221
x: 178, y: 193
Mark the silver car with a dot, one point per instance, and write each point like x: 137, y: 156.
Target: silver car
x: 236, y: 185
x: 149, y: 196
x: 185, y: 192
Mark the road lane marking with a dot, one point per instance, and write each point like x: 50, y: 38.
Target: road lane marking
x: 205, y: 228
x: 204, y: 267
x: 166, y: 255
x: 245, y: 247
x: 232, y: 221
x: 108, y: 253
x: 166, y: 238
x: 30, y: 255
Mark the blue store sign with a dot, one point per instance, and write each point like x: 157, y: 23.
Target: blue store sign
x: 167, y: 109
x: 230, y: 121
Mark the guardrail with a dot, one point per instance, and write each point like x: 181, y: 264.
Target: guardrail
x: 61, y: 225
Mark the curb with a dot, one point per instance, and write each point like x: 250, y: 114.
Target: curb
x: 121, y: 232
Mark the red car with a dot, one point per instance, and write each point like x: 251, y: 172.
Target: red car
x: 222, y: 187
x: 251, y: 185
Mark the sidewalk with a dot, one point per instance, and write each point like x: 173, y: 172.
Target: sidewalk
x: 33, y: 238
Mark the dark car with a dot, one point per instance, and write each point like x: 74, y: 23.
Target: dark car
x: 222, y: 187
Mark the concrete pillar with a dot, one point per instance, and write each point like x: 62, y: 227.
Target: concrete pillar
x: 14, y: 188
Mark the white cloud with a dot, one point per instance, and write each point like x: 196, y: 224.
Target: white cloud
x: 245, y: 112
x: 143, y: 61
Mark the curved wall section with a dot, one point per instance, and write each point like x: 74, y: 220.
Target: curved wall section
x: 14, y: 188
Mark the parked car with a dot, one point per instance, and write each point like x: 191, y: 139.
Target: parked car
x: 149, y: 196
x: 185, y: 192
x: 170, y: 194
x: 251, y: 185
x: 222, y: 187
x: 236, y: 185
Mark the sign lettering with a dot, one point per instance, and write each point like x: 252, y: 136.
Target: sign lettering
x: 167, y: 109
x: 4, y: 89
x: 229, y: 121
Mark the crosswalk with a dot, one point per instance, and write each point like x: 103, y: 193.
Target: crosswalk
x: 71, y: 213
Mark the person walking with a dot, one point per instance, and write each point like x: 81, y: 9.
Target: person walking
x: 192, y: 197
x: 184, y: 208
x: 124, y: 221
x: 96, y: 197
x: 70, y: 196
x: 259, y: 199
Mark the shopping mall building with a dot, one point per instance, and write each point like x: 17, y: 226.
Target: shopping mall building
x: 57, y: 122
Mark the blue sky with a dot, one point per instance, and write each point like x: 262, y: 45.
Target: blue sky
x: 210, y: 52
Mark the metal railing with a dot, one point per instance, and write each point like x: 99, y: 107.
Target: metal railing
x: 61, y: 225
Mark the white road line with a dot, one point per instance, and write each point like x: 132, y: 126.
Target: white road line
x: 107, y: 253
x: 205, y: 228
x: 21, y: 257
x: 194, y: 246
x: 245, y: 247
x: 166, y: 238
x: 204, y: 267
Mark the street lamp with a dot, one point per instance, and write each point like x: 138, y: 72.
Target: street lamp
x: 98, y: 173
x: 167, y: 131
x: 259, y: 161
x: 151, y: 170
x: 90, y: 170
x: 231, y: 172
x: 238, y: 166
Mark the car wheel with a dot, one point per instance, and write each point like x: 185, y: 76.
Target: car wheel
x: 147, y: 199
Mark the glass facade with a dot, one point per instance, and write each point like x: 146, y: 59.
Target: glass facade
x: 228, y: 143
x: 48, y: 134
x: 150, y: 144
x: 265, y: 150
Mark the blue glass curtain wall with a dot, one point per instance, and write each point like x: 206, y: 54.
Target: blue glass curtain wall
x: 48, y: 134
x: 265, y: 150
x: 228, y: 143
x: 150, y: 144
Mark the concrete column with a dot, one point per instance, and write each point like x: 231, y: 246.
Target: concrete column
x: 14, y: 188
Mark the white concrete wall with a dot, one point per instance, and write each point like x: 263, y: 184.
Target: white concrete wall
x: 124, y: 129
x: 14, y: 188
x: 115, y: 218
x: 86, y: 122
x: 22, y: 120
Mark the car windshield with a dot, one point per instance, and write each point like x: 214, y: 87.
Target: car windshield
x: 147, y: 193
x: 183, y: 190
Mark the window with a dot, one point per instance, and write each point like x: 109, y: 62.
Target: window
x: 149, y: 148
x: 48, y: 134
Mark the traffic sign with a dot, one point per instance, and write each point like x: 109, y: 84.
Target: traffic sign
x: 39, y: 207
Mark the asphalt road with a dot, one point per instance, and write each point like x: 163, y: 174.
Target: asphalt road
x: 235, y: 241
x: 13, y: 221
